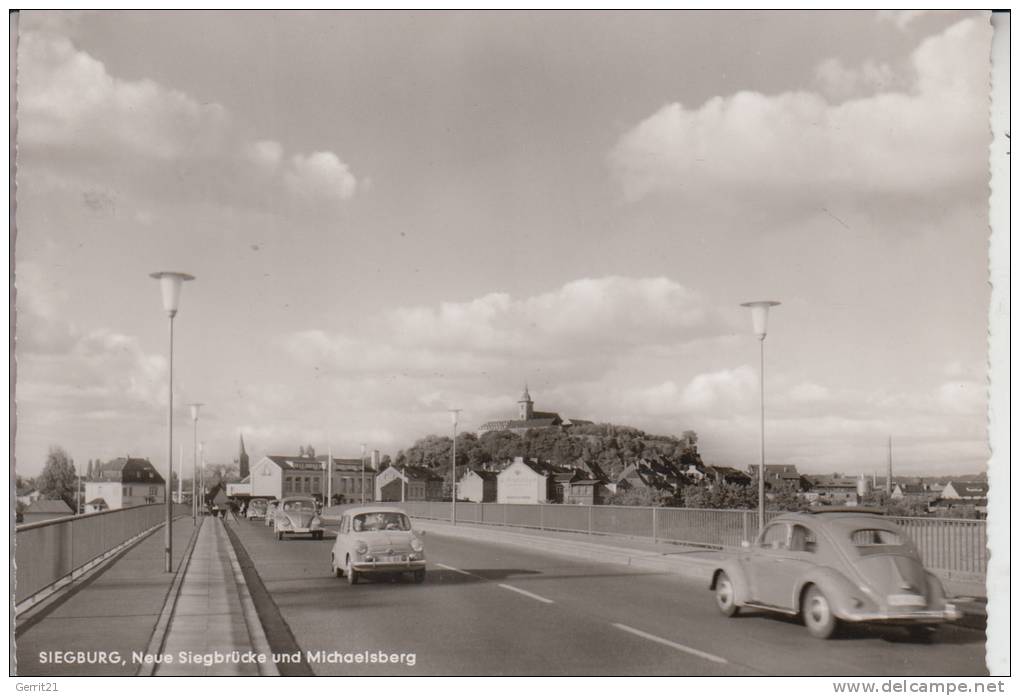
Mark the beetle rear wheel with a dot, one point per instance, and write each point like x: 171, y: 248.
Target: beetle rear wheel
x: 817, y: 613
x: 337, y: 571
x: 725, y: 598
x: 419, y: 576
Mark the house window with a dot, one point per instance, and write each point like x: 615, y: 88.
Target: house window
x: 316, y: 485
x: 153, y: 491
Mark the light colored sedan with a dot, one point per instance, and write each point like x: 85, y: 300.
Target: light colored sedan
x: 297, y: 516
x: 377, y: 540
x: 831, y: 567
x: 256, y: 509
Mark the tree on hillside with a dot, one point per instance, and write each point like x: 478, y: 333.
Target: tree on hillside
x: 724, y: 496
x: 58, y: 478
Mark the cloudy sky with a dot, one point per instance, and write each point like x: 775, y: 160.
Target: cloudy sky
x: 394, y: 214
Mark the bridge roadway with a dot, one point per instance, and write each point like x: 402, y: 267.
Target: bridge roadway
x: 493, y: 609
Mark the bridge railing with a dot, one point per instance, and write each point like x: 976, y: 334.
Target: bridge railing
x: 952, y: 545
x: 52, y: 552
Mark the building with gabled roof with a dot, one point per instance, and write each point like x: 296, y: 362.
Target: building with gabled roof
x: 279, y: 476
x: 126, y: 482
x: 408, y: 483
x: 478, y: 486
x: 44, y: 509
x: 528, y: 418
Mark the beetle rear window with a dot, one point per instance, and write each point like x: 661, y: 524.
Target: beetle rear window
x: 875, y: 540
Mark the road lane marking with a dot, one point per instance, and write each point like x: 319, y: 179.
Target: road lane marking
x: 458, y: 570
x: 675, y: 646
x: 526, y: 593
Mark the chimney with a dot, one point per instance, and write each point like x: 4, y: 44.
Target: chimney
x: 375, y: 460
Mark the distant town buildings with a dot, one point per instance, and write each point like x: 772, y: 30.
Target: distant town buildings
x: 528, y: 419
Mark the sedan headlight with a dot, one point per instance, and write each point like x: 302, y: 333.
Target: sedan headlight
x: 416, y: 544
x: 282, y: 522
x: 361, y: 547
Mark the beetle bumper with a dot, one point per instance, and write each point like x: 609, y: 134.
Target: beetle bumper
x: 924, y: 616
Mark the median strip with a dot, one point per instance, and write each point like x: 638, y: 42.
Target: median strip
x: 526, y: 593
x: 675, y: 646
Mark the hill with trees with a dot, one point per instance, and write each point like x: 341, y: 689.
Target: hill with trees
x: 602, y: 451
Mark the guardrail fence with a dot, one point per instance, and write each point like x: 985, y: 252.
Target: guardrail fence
x: 51, y: 551
x: 957, y: 546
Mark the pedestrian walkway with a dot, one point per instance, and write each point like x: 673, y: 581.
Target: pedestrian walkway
x: 105, y: 618
x: 208, y: 620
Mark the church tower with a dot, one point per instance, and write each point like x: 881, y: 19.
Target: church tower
x: 526, y: 407
x: 242, y: 459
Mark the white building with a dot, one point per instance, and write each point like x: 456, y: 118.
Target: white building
x: 478, y: 486
x: 524, y: 482
x: 126, y: 482
x: 280, y: 476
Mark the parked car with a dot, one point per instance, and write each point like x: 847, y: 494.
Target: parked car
x: 271, y: 512
x: 297, y: 516
x: 257, y: 509
x: 377, y: 540
x: 831, y: 567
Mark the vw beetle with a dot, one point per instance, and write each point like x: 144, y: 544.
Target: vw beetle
x: 831, y: 567
x: 297, y: 516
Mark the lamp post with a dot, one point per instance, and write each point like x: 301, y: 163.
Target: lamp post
x: 194, y: 463
x: 170, y: 285
x: 362, y: 473
x: 760, y: 320
x: 454, y: 413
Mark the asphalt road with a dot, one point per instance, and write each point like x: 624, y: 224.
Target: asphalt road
x: 491, y: 609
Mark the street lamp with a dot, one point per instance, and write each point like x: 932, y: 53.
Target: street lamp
x: 454, y: 413
x: 194, y: 464
x: 760, y: 320
x: 362, y: 473
x: 170, y: 285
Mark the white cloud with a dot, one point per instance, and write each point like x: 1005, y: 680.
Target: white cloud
x: 582, y: 317
x: 927, y: 138
x: 320, y: 174
x: 724, y: 390
x: 80, y: 122
x: 963, y: 397
x: 901, y: 18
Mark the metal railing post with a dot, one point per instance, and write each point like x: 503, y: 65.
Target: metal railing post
x: 744, y: 520
x: 589, y: 519
x: 655, y: 524
x: 541, y: 517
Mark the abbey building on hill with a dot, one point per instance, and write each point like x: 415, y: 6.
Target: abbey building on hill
x: 528, y: 418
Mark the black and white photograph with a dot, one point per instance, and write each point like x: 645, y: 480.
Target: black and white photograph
x: 476, y: 343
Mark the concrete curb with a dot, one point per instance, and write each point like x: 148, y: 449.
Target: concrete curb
x: 699, y: 569
x: 158, y: 638
x: 256, y: 633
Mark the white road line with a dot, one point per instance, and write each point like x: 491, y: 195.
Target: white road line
x: 675, y: 646
x: 457, y: 570
x: 526, y: 593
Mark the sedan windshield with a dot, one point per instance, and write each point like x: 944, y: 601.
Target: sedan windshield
x: 381, y: 521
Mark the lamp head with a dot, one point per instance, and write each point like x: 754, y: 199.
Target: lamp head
x: 454, y: 413
x: 194, y: 411
x: 760, y: 316
x: 170, y: 284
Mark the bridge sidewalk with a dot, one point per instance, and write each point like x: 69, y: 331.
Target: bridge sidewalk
x: 112, y: 613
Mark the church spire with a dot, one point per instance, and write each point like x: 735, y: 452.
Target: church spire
x: 242, y: 458
x: 526, y: 407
